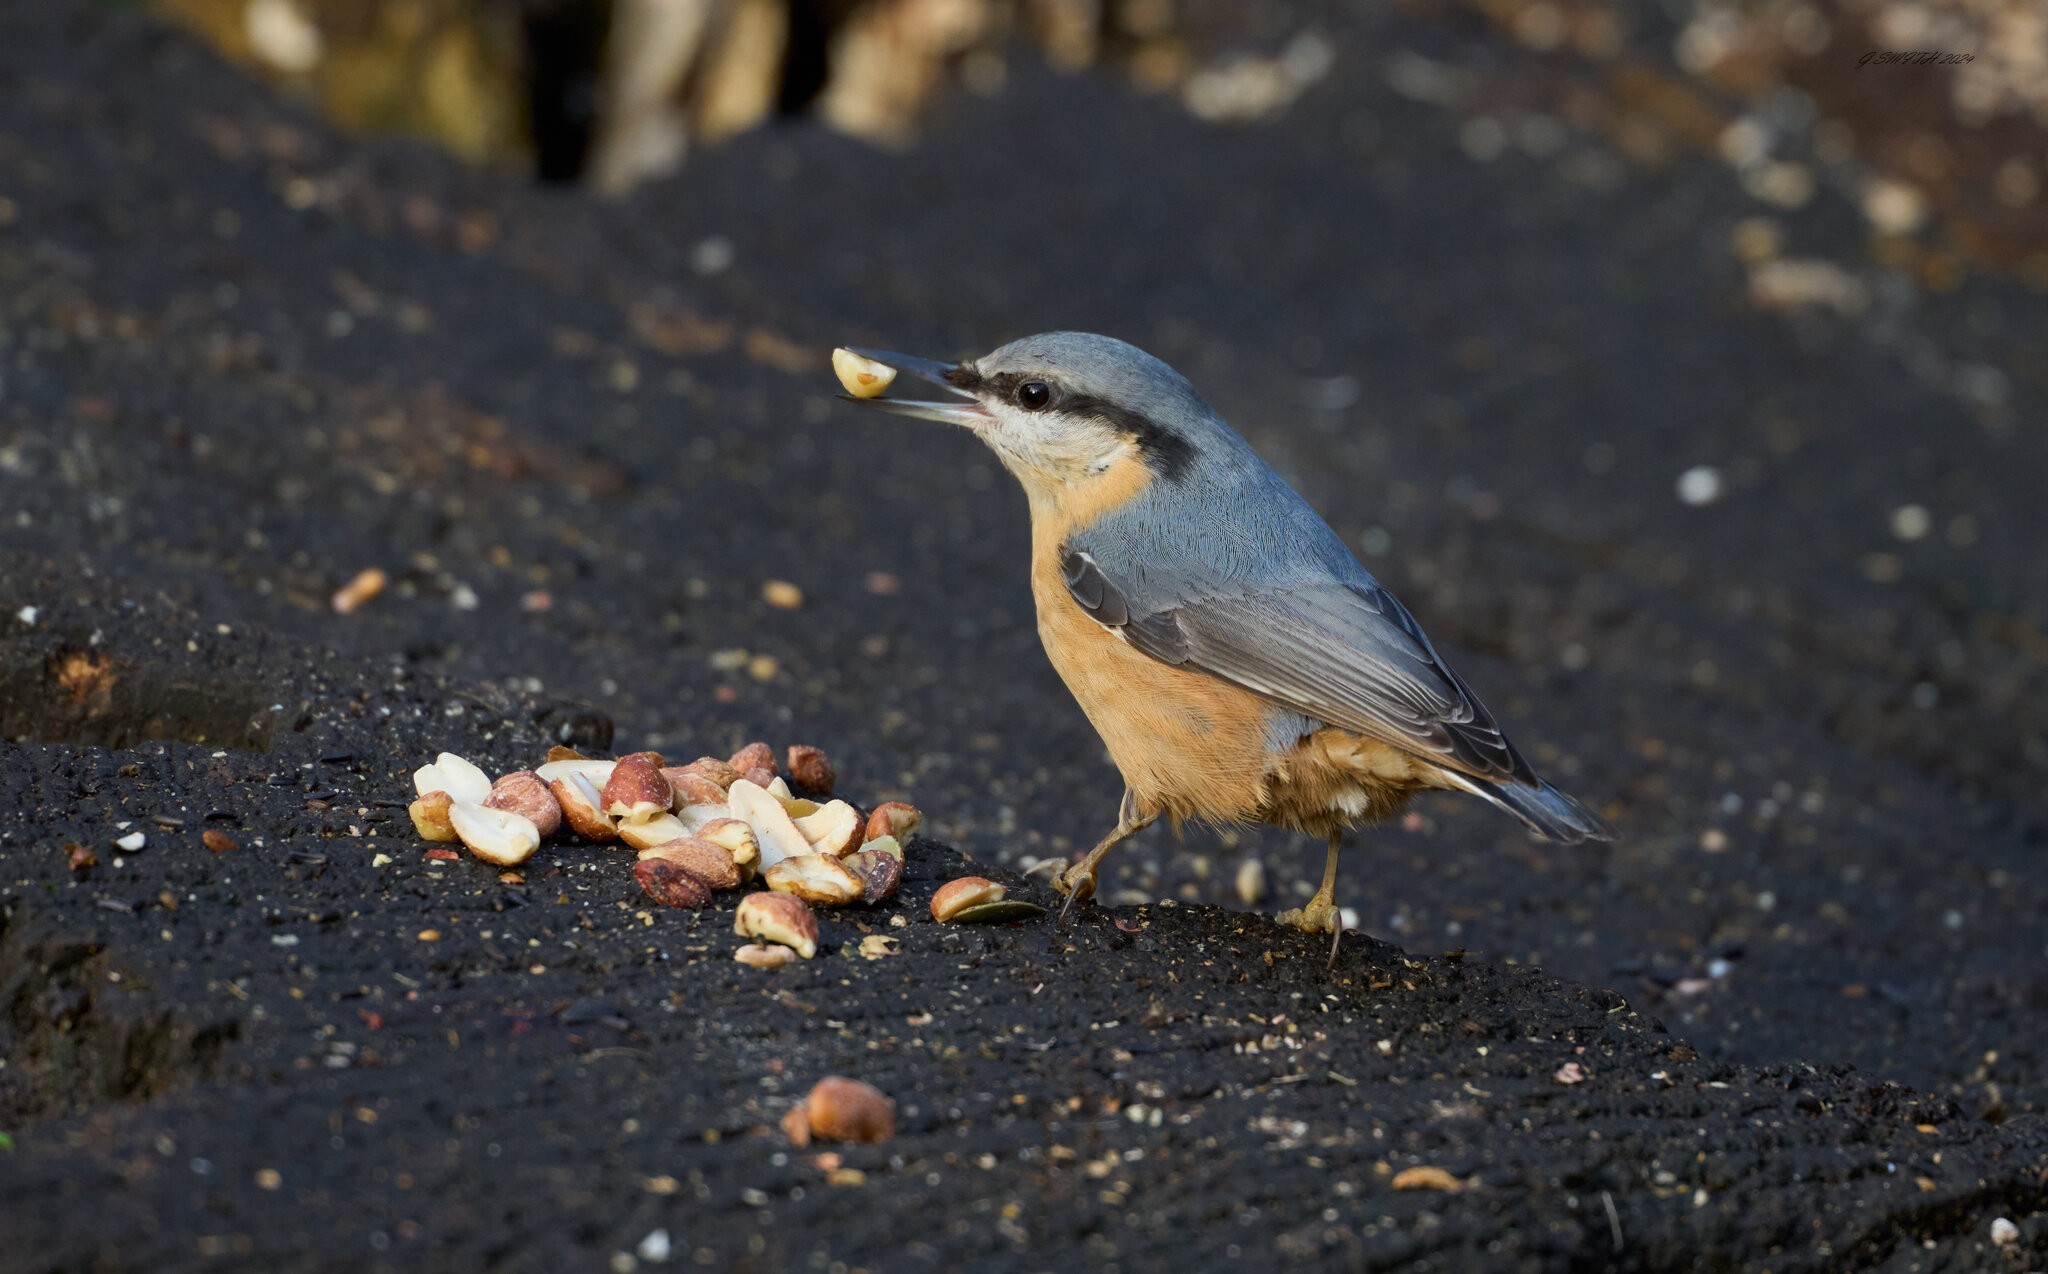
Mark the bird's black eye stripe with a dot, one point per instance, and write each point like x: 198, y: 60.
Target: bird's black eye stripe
x: 1034, y: 395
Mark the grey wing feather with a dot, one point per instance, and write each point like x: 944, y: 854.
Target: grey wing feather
x: 1342, y: 651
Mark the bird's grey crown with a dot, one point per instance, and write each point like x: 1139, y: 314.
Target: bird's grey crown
x: 1111, y: 380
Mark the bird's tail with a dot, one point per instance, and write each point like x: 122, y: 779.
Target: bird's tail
x: 1545, y: 811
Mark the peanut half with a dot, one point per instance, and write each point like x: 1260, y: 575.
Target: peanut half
x: 956, y: 896
x: 861, y: 377
x: 778, y: 918
x: 818, y: 878
x: 498, y: 836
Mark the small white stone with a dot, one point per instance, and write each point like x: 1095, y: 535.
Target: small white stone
x: 1251, y: 882
x: 1912, y: 521
x: 655, y: 1247
x: 131, y: 843
x: 2004, y: 1233
x: 27, y: 615
x: 712, y: 256
x: 1700, y: 485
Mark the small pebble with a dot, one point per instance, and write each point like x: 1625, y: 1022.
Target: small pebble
x: 2004, y: 1233
x: 1700, y: 485
x: 131, y: 843
x: 655, y: 1247
x: 1251, y: 882
x: 366, y: 585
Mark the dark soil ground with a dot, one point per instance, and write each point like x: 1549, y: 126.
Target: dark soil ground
x: 242, y: 358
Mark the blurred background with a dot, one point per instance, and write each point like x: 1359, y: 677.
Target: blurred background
x: 613, y: 93
x: 1946, y: 163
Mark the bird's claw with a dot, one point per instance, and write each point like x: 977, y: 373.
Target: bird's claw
x: 1078, y: 884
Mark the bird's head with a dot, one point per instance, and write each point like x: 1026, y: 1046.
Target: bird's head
x: 1078, y: 418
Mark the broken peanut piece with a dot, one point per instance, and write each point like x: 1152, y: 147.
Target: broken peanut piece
x: 670, y: 885
x: 366, y: 585
x: 712, y: 768
x: 818, y: 878
x: 598, y: 772
x: 637, y: 789
x: 760, y: 810
x: 691, y: 787
x: 499, y: 837
x: 430, y: 816
x: 861, y: 377
x: 762, y: 956
x: 779, y: 918
x: 834, y: 829
x: 880, y: 873
x: 735, y: 838
x: 894, y: 819
x: 841, y: 1109
x: 523, y: 792
x: 956, y: 896
x: 707, y: 862
x: 649, y: 832
x: 451, y: 774
x: 581, y: 805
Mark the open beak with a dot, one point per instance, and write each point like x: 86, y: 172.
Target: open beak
x: 961, y: 409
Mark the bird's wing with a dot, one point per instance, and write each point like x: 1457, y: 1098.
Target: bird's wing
x: 1343, y: 651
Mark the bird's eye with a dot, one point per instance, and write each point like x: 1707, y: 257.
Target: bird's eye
x: 1034, y: 395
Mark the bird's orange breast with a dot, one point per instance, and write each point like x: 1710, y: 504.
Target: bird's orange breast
x: 1188, y: 745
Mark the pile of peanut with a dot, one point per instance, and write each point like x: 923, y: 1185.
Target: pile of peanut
x: 701, y: 828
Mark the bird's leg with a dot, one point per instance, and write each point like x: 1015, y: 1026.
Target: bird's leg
x: 1078, y: 881
x: 1322, y: 912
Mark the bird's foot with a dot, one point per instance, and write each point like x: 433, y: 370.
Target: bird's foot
x: 1321, y: 915
x: 1077, y: 883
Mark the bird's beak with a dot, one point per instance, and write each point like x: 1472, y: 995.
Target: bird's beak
x: 962, y: 409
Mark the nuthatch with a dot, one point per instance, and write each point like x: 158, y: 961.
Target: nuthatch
x: 1238, y: 662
